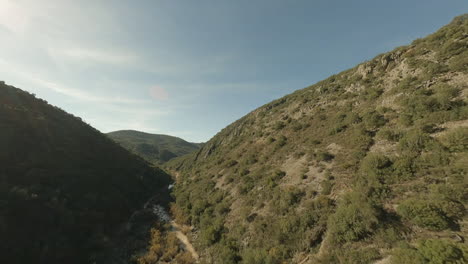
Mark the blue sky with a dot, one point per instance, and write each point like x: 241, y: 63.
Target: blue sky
x: 189, y: 68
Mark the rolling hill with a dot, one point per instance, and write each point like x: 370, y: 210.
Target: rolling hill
x: 66, y: 190
x: 154, y: 148
x: 368, y: 165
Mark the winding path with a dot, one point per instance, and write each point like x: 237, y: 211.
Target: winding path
x: 161, y: 213
x: 184, y: 240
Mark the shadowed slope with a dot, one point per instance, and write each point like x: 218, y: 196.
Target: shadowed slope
x: 65, y: 188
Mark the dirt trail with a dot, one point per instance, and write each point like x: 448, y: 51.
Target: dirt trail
x: 179, y: 234
x: 163, y: 216
x: 184, y: 240
x: 385, y: 260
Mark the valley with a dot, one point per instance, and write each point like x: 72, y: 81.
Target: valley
x: 368, y: 166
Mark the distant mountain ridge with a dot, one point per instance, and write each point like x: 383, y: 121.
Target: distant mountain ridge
x: 154, y: 148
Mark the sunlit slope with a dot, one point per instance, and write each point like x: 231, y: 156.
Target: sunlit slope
x: 368, y: 164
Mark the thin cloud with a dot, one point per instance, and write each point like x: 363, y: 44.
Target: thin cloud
x: 175, y: 66
x: 99, y: 56
x: 82, y: 95
x: 139, y: 112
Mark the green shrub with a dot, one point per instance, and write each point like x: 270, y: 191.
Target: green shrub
x: 459, y: 63
x: 327, y: 186
x: 315, y: 142
x: 438, y: 251
x: 446, y: 89
x: 431, y: 251
x: 293, y: 196
x: 374, y: 163
x: 212, y: 233
x: 405, y: 119
x: 352, y: 118
x: 231, y: 163
x: 281, y: 141
x: 322, y: 117
x: 277, y: 175
x: 403, y: 167
x: 297, y: 126
x: 389, y: 134
x: 414, y: 141
x: 420, y: 104
x: 407, y: 84
x: 247, y: 185
x: 360, y: 256
x: 279, y: 125
x: 244, y: 172
x: 376, y: 168
x: 457, y: 139
x: 324, y: 156
x: 451, y: 48
x: 373, y: 93
x: 354, y: 219
x: 445, y: 95
x: 228, y: 254
x: 407, y: 256
x: 251, y: 159
x: 432, y: 68
x: 373, y: 120
x: 423, y: 213
x: 387, y: 237
x: 258, y: 256
x: 337, y: 129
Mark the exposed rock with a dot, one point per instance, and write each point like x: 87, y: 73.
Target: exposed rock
x: 390, y: 57
x: 364, y: 70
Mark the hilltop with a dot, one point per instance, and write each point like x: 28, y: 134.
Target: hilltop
x: 367, y: 165
x: 154, y: 148
x: 66, y: 190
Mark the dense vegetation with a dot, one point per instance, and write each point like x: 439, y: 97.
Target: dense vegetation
x: 368, y: 164
x: 164, y: 247
x: 154, y: 148
x: 65, y: 188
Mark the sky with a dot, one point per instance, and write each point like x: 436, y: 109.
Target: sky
x: 189, y: 68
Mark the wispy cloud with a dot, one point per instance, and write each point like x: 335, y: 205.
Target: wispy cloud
x: 173, y: 65
x: 99, y: 67
x: 145, y: 113
x: 83, y: 95
x: 97, y: 56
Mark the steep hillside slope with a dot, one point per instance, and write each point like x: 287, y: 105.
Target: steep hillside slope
x: 368, y: 164
x: 65, y: 188
x: 154, y: 148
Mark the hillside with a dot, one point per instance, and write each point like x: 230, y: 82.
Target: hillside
x: 154, y: 148
x: 370, y: 164
x: 65, y: 188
